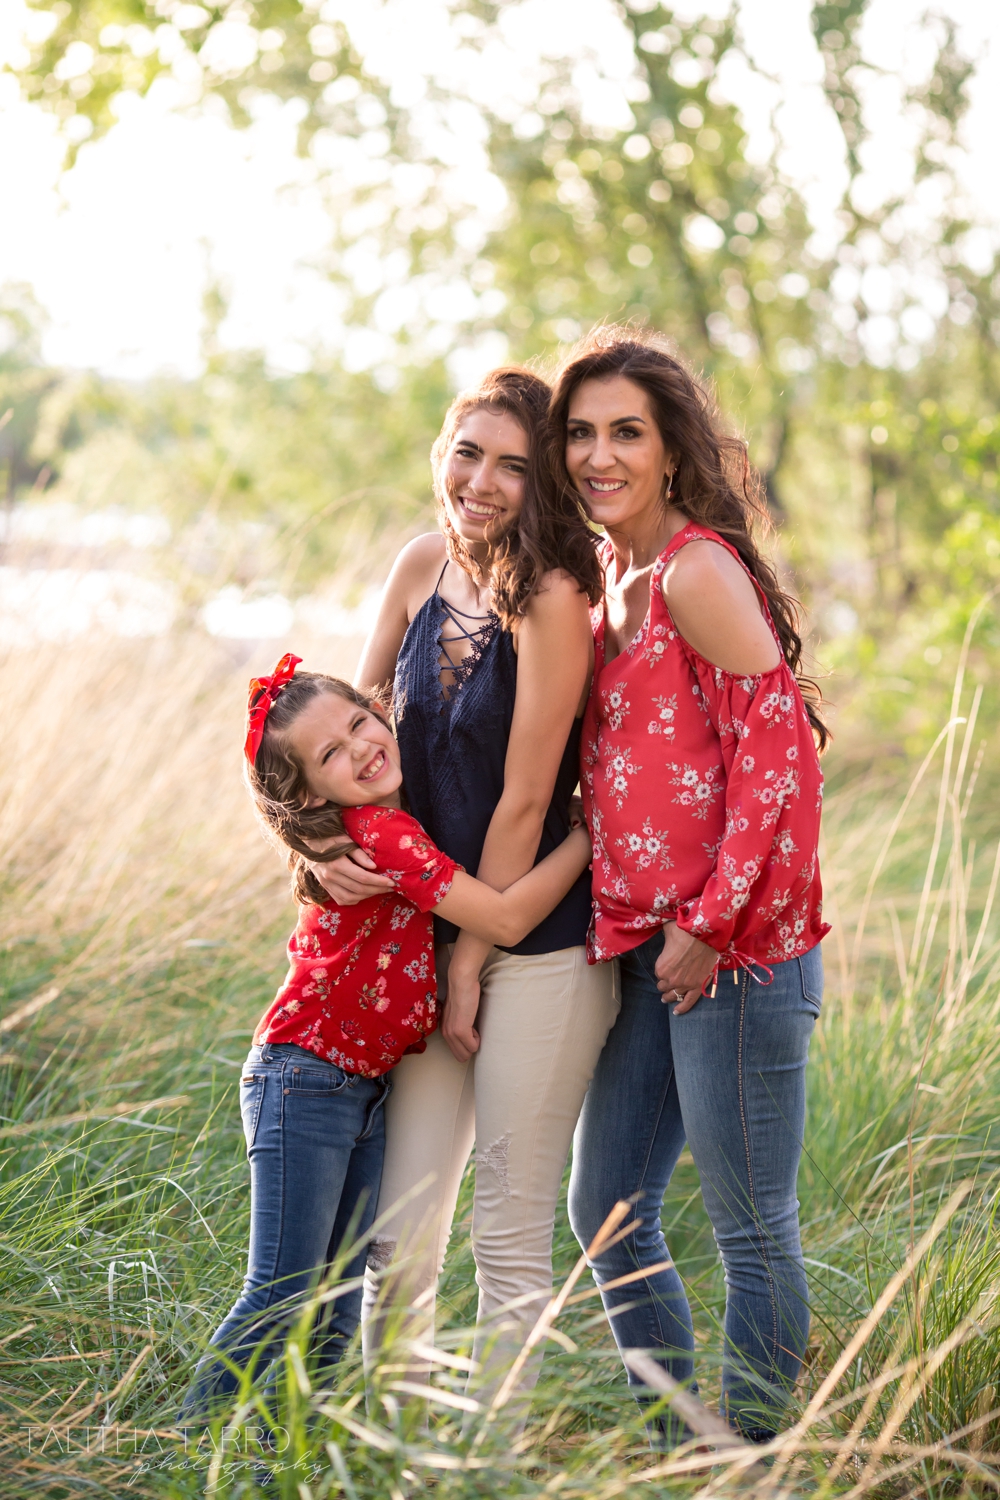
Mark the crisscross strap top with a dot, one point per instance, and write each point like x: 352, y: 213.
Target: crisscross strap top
x: 453, y: 744
x: 480, y: 638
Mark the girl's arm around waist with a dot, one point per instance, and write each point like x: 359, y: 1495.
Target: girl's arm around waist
x: 505, y: 917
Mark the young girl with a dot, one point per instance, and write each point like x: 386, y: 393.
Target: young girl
x: 323, y: 765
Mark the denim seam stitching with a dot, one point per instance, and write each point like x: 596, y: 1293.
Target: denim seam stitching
x: 653, y: 1300
x: 256, y: 1114
x: 762, y: 1238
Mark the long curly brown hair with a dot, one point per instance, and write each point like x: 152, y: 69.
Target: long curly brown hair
x: 277, y: 783
x: 551, y: 529
x: 713, y: 483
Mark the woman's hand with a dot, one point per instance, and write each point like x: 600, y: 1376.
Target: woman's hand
x: 350, y: 877
x: 683, y: 967
x: 458, y: 1023
x: 576, y: 818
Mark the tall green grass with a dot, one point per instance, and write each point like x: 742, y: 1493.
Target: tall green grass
x: 136, y: 888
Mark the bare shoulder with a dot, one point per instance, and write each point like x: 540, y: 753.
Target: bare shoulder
x: 717, y: 609
x: 422, y: 553
x: 416, y: 569
x: 703, y: 566
x: 558, y: 595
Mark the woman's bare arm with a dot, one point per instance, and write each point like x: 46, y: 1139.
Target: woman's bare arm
x: 554, y: 661
x: 507, y: 916
x: 411, y: 581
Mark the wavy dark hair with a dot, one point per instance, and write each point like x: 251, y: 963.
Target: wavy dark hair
x: 713, y: 483
x: 551, y: 530
x: 278, y: 785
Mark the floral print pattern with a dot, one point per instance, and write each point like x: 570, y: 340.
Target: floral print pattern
x: 361, y: 988
x: 707, y: 774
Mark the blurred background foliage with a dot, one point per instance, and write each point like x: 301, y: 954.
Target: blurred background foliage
x: 880, y: 462
x: 144, y: 922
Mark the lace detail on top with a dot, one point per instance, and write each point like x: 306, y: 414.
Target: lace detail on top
x: 453, y: 745
x: 440, y: 728
x: 481, y: 640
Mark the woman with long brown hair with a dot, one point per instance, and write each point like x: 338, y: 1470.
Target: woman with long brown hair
x: 702, y: 787
x: 484, y: 631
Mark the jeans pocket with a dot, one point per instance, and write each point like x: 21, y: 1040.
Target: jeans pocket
x: 811, y: 971
x: 251, y: 1099
x: 314, y: 1082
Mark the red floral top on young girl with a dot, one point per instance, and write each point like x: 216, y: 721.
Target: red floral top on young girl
x: 702, y: 790
x: 361, y: 988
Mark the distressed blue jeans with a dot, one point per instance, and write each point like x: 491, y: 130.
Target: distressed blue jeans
x: 729, y: 1079
x: 315, y: 1139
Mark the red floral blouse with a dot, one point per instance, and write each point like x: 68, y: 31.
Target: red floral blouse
x: 702, y: 790
x: 361, y: 988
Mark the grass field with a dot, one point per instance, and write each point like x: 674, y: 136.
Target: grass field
x: 143, y: 931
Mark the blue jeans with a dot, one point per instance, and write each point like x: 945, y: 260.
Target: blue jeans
x: 729, y: 1078
x: 315, y: 1139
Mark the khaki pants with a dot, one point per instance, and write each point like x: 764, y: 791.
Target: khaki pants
x: 543, y: 1020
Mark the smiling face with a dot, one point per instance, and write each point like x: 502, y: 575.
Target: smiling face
x: 347, y: 754
x: 482, y: 475
x: 614, y: 452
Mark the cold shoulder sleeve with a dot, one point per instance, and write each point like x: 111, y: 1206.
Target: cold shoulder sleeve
x: 766, y: 862
x: 402, y: 850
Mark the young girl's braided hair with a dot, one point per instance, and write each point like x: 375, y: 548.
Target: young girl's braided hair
x: 277, y: 783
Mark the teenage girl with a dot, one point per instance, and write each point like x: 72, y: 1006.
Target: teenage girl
x: 485, y: 632
x: 322, y: 764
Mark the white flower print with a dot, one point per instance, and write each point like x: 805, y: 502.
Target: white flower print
x: 329, y: 921
x: 739, y: 880
x: 418, y: 968
x: 304, y: 945
x: 784, y: 847
x: 618, y: 770
x: 618, y: 890
x: 696, y: 791
x: 616, y: 705
x: 735, y: 822
x: 776, y: 708
x: 666, y: 713
x: 779, y: 790
x: 659, y: 639
x: 647, y: 848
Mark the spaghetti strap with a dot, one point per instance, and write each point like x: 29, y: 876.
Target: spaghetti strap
x: 441, y: 574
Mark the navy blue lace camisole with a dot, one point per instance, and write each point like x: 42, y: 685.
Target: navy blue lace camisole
x: 453, y: 745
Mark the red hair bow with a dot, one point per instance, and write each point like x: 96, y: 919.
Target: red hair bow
x: 268, y: 688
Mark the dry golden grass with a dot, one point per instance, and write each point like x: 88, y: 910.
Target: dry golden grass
x: 125, y: 834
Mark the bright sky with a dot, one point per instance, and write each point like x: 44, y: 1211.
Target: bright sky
x: 119, y: 251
